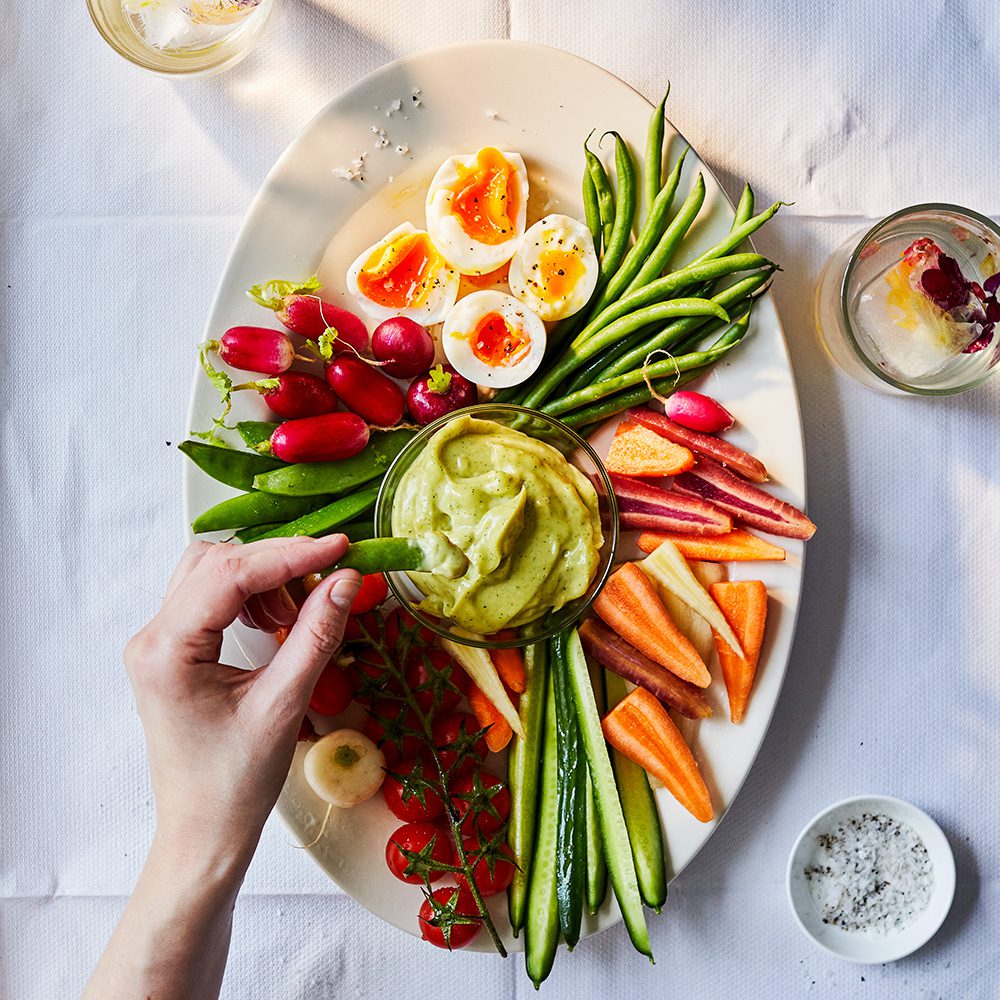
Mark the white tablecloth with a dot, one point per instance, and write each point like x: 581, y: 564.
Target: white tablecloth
x: 121, y: 193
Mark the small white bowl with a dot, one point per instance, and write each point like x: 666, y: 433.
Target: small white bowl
x: 861, y: 946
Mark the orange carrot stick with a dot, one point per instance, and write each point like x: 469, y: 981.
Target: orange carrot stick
x: 639, y: 727
x: 509, y: 663
x: 630, y: 604
x: 744, y: 604
x: 638, y: 451
x: 734, y: 546
x: 498, y: 733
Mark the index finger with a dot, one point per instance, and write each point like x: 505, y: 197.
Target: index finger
x: 215, y: 590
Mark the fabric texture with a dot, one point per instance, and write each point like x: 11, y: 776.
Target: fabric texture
x: 121, y: 194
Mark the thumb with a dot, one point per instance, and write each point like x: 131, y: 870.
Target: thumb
x: 313, y: 639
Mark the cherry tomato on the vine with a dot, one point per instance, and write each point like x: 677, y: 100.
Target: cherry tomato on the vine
x: 482, y: 800
x: 492, y: 875
x: 421, y: 667
x: 455, y: 901
x: 374, y: 590
x: 383, y: 727
x: 424, y: 804
x: 454, y: 727
x: 416, y: 837
x: 334, y: 690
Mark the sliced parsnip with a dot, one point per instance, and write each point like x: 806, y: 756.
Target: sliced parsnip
x: 477, y: 664
x: 707, y: 573
x: 669, y: 569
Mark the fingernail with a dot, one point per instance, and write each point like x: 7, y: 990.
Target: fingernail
x: 342, y: 594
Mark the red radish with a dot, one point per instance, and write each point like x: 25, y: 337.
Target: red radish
x: 300, y: 309
x: 701, y: 444
x: 295, y: 394
x: 641, y: 506
x: 255, y: 349
x: 698, y: 412
x: 404, y: 346
x: 366, y: 391
x: 326, y: 438
x: 710, y: 481
x: 442, y: 390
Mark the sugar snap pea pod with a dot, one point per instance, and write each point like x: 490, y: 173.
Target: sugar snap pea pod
x: 654, y: 264
x: 257, y: 531
x: 641, y: 815
x: 541, y: 927
x: 356, y: 531
x: 592, y: 211
x: 663, y: 288
x: 255, y: 432
x: 673, y: 365
x: 227, y: 465
x: 433, y: 552
x: 610, y: 335
x: 670, y: 334
x: 327, y: 519
x: 253, y: 509
x: 571, y: 803
x: 523, y: 778
x: 312, y: 478
x: 652, y: 172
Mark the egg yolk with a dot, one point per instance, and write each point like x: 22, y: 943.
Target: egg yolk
x: 485, y: 198
x: 496, y: 343
x: 558, y: 273
x: 402, y: 273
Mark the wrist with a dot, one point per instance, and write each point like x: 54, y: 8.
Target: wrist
x: 195, y: 862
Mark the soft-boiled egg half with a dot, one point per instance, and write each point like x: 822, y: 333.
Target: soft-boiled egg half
x: 493, y: 339
x: 404, y: 275
x: 476, y: 209
x: 555, y: 270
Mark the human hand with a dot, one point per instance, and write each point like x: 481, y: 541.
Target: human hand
x: 220, y: 738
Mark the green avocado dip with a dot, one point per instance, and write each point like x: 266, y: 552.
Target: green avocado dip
x: 525, y: 517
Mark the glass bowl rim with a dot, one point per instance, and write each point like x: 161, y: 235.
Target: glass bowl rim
x: 612, y: 531
x: 930, y: 206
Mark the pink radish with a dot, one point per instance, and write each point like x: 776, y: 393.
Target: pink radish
x: 366, y: 391
x: 295, y: 394
x: 404, y: 346
x: 300, y: 309
x: 255, y: 349
x: 698, y: 412
x: 440, y: 391
x: 326, y: 438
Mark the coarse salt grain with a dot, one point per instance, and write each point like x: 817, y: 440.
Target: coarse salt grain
x: 870, y: 873
x: 355, y: 172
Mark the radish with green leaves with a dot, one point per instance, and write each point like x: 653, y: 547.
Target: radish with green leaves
x: 302, y: 311
x: 255, y: 349
x: 442, y: 390
x: 404, y: 347
x: 366, y: 391
x: 324, y: 438
x: 294, y: 394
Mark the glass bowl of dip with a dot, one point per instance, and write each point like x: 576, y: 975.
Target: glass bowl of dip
x: 394, y: 496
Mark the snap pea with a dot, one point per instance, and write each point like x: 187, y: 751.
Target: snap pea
x: 592, y: 212
x: 327, y: 519
x: 253, y: 509
x: 652, y: 174
x: 389, y: 555
x: 257, y: 531
x: 356, y: 531
x: 312, y: 478
x: 641, y: 815
x: 255, y: 432
x: 541, y: 926
x: 227, y: 465
x: 674, y: 331
x: 610, y: 335
x: 614, y: 832
x: 654, y: 370
x: 571, y: 803
x: 523, y: 778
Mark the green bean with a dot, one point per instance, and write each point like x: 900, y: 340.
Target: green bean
x: 665, y: 287
x: 254, y: 509
x: 649, y: 235
x: 592, y: 211
x: 744, y: 210
x: 738, y: 235
x: 673, y: 332
x: 605, y: 195
x: 611, y: 334
x: 653, y: 370
x: 327, y: 519
x: 627, y: 202
x: 652, y: 174
x: 654, y: 264
x: 227, y: 465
